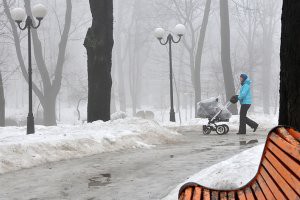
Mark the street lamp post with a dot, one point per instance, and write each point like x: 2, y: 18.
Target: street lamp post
x: 159, y: 33
x: 18, y: 14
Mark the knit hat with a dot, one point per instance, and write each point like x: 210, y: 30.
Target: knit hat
x: 244, y: 76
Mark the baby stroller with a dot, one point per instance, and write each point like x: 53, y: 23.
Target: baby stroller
x: 214, y: 112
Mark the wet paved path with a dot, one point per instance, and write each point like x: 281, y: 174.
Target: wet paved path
x: 135, y: 174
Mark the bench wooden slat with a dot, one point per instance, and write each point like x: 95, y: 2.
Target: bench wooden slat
x: 197, y: 193
x: 294, y: 133
x: 286, y: 174
x: 249, y: 194
x: 223, y: 195
x: 264, y: 187
x: 286, y: 135
x: 241, y: 195
x: 292, y: 165
x: 206, y: 194
x: 188, y: 193
x: 231, y: 195
x: 181, y: 196
x: 285, y: 146
x: 288, y: 191
x: 257, y: 191
x: 273, y: 187
x: 215, y: 195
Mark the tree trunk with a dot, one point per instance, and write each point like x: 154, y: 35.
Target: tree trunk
x: 121, y: 84
x: 113, y: 107
x: 136, y: 66
x: 134, y: 103
x: 289, y: 113
x: 267, y: 72
x: 49, y: 108
x: 98, y: 43
x: 251, y: 71
x: 198, y: 58
x: 225, y: 53
x: 121, y: 88
x: 2, y: 103
x: 132, y: 77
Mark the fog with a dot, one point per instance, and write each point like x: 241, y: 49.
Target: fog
x: 140, y: 68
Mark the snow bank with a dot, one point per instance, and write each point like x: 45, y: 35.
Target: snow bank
x: 18, y: 150
x: 118, y: 115
x: 229, y: 174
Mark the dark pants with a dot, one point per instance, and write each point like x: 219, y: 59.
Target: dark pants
x: 245, y: 120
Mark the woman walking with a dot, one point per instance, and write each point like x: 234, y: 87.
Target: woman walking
x: 245, y: 98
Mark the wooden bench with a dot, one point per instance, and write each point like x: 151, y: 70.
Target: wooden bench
x: 278, y: 175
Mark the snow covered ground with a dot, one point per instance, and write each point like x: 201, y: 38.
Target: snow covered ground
x: 18, y: 150
x: 229, y: 174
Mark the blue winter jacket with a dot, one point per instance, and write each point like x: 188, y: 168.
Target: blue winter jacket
x: 245, y: 96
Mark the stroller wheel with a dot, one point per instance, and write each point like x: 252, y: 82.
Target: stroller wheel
x: 226, y: 128
x: 206, y: 130
x: 221, y: 130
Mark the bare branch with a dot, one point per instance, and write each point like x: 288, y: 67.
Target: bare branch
x: 36, y: 90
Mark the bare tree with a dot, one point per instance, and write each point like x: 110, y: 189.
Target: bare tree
x: 113, y: 99
x: 189, y: 13
x: 99, y: 44
x: 49, y: 90
x: 225, y: 53
x: 248, y: 21
x: 77, y: 91
x: 2, y: 97
x: 268, y: 20
x: 138, y: 52
x: 199, y: 52
x: 2, y: 103
x: 290, y: 65
x: 121, y: 54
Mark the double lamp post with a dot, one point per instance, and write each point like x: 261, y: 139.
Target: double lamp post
x: 159, y: 34
x: 18, y: 14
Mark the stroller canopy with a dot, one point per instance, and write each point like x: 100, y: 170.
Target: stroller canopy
x: 210, y: 107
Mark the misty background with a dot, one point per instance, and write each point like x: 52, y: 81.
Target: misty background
x: 140, y: 69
